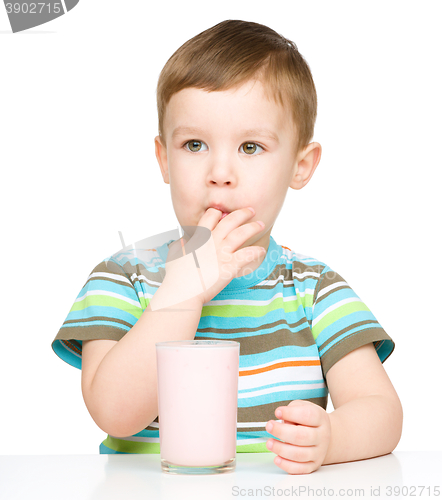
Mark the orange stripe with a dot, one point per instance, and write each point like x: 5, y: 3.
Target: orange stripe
x: 287, y: 248
x: 283, y: 364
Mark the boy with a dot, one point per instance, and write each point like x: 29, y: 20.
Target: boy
x: 237, y: 107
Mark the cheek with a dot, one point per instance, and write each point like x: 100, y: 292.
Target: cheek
x: 183, y: 189
x: 271, y: 197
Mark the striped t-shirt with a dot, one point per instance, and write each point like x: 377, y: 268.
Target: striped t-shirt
x: 293, y: 316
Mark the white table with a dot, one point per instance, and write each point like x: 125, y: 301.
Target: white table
x: 133, y: 477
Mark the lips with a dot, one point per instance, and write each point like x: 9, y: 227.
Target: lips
x: 223, y: 209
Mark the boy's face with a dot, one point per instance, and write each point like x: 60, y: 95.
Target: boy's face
x: 218, y: 154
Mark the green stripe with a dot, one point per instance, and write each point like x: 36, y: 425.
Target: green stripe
x: 307, y: 300
x: 106, y: 301
x: 251, y: 310
x: 338, y: 314
x: 131, y: 446
x: 252, y: 448
x: 143, y: 302
x: 141, y: 447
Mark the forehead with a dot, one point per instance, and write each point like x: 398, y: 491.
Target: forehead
x: 249, y: 107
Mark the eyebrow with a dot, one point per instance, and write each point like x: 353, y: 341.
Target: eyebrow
x: 261, y: 132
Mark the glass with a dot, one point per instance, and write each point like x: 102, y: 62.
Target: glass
x: 197, y: 405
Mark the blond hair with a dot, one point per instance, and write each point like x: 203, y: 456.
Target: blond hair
x: 233, y: 52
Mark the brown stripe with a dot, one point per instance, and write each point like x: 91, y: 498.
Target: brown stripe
x: 98, y: 318
x: 348, y: 328
x: 263, y: 413
x: 105, y: 278
x: 153, y: 428
x: 330, y: 292
x: 268, y: 341
x: 300, y: 268
x: 287, y: 274
x: 90, y: 333
x: 326, y: 280
x: 349, y: 344
x: 255, y: 328
x: 141, y: 270
x: 110, y: 267
x: 278, y: 272
x: 128, y: 270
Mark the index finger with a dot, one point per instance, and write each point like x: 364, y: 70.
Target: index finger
x: 301, y: 413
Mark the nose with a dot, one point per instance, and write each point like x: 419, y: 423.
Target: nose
x: 222, y: 172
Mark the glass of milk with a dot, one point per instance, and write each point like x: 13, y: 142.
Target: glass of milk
x: 197, y: 405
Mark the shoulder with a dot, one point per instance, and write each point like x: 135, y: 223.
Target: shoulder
x: 306, y: 271
x: 135, y: 263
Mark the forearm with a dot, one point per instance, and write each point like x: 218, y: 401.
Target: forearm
x: 364, y: 428
x: 124, y: 388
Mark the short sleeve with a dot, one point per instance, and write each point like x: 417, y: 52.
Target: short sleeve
x: 341, y: 322
x: 107, y: 307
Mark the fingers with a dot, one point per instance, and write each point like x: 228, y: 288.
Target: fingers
x: 294, y: 453
x: 299, y: 454
x: 234, y: 230
x: 296, y: 467
x: 212, y: 216
x: 302, y: 413
x: 299, y: 435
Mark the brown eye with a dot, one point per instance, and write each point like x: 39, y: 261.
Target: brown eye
x: 194, y: 145
x: 249, y: 147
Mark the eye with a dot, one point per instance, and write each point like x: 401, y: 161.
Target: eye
x: 250, y: 148
x: 194, y: 146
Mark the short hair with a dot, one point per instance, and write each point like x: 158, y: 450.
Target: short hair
x: 233, y: 52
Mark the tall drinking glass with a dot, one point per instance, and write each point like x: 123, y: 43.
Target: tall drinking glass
x: 197, y: 405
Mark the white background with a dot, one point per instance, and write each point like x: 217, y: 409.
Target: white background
x: 77, y: 127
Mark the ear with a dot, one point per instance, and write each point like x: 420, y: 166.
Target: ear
x: 161, y: 154
x: 305, y: 166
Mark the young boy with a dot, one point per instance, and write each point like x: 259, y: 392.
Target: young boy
x: 237, y: 107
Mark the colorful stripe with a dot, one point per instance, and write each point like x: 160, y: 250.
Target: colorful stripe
x: 294, y: 318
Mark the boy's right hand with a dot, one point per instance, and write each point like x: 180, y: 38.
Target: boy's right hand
x: 219, y: 259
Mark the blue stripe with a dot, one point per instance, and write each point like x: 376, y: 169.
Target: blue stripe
x: 282, y: 396
x: 107, y: 312
x: 279, y: 384
x: 385, y: 349
x: 152, y: 265
x: 348, y: 334
x: 253, y: 435
x: 62, y: 352
x: 104, y: 450
x: 334, y: 298
x: 122, y: 288
x: 151, y: 434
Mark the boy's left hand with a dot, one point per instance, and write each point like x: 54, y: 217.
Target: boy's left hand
x: 306, y: 432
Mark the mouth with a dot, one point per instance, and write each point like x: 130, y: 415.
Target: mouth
x: 225, y: 211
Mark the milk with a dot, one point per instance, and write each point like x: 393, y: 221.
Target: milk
x: 197, y: 404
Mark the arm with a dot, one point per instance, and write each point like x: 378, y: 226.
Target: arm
x: 119, y: 379
x: 366, y: 422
